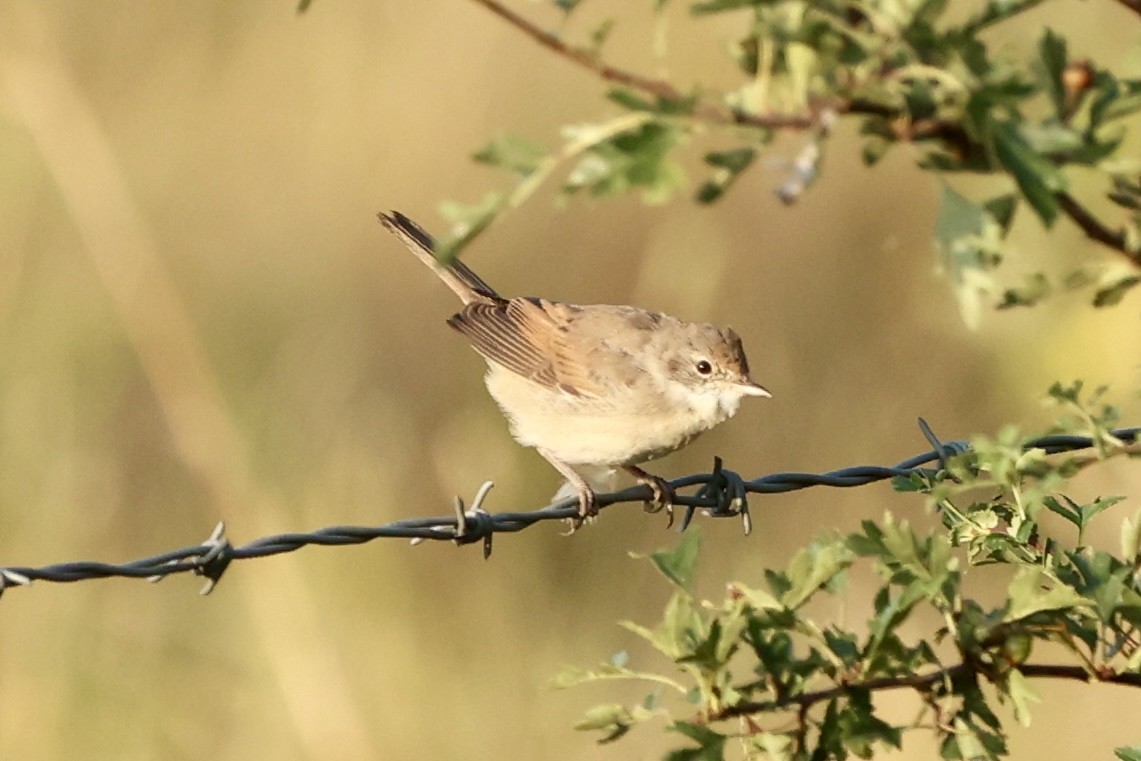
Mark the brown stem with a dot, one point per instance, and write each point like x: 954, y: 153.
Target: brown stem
x: 658, y: 88
x: 919, y: 682
x: 1133, y: 5
x: 1093, y: 227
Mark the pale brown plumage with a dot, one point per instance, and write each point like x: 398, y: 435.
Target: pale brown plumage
x: 593, y: 385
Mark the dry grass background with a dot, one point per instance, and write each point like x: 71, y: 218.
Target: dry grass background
x: 200, y: 319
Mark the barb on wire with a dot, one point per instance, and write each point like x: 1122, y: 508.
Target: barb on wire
x: 721, y: 494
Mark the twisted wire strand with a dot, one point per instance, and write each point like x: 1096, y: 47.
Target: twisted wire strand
x: 721, y: 494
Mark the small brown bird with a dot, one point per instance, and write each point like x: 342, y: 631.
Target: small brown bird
x: 599, y: 385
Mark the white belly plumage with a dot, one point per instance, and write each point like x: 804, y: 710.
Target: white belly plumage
x: 578, y: 432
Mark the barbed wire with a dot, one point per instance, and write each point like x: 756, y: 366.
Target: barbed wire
x: 721, y: 494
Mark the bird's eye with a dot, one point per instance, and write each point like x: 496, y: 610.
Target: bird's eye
x: 704, y: 368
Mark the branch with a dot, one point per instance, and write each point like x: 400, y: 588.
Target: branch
x: 584, y: 58
x: 1133, y: 5
x: 659, y: 88
x: 920, y: 683
x: 666, y: 92
x: 1094, y: 229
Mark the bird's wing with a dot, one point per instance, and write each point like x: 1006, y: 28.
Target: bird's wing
x: 529, y: 338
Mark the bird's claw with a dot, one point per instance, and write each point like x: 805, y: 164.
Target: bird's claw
x: 663, y: 498
x: 587, y: 511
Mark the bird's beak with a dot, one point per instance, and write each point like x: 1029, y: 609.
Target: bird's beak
x: 750, y: 388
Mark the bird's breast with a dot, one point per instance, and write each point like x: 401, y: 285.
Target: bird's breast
x: 625, y: 427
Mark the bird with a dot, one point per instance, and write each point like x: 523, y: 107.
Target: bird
x: 593, y: 386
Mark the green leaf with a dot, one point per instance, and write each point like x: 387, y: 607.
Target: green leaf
x: 1113, y: 99
x: 573, y: 676
x: 771, y: 745
x: 972, y: 743
x: 637, y: 158
x: 634, y: 102
x: 891, y: 611
x: 711, y: 745
x: 1113, y: 293
x: 976, y: 706
x: 680, y: 628
x: 1001, y: 209
x: 1078, y: 278
x: 1032, y: 591
x: 1064, y: 394
x: 756, y: 599
x: 1126, y: 192
x: 1090, y: 509
x: 729, y: 165
x: 1052, y: 51
x: 613, y: 719
x: 874, y: 149
x: 811, y: 569
x: 969, y: 239
x: 630, y: 99
x: 718, y: 6
x: 843, y: 645
x: 678, y: 565
x: 1110, y: 594
x: 1022, y: 694
x: 861, y: 730
x: 511, y: 152
x: 995, y: 12
x: 468, y: 221
x: 1131, y: 538
x: 802, y: 62
x: 704, y: 653
x: 1035, y: 288
x: 734, y: 160
x: 1069, y: 512
x: 1051, y: 139
x: 913, y: 482
x: 730, y: 638
x: 1037, y: 178
x: 830, y: 743
x: 1131, y: 753
x: 599, y: 35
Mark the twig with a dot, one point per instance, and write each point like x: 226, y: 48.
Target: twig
x: 659, y: 88
x: 1094, y: 229
x: 916, y: 682
x: 1133, y: 5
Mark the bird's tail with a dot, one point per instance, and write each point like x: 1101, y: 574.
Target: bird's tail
x: 469, y: 286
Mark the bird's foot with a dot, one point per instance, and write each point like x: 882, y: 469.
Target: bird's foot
x: 587, y: 510
x: 664, y: 495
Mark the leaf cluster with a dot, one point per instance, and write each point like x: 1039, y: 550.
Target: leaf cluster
x: 758, y: 673
x: 907, y: 72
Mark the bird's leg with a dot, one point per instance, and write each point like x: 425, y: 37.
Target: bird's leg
x: 663, y: 493
x: 587, y: 500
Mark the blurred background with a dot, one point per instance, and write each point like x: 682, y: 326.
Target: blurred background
x: 201, y: 320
